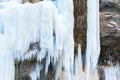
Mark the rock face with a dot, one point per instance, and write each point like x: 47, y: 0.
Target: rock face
x: 107, y: 6
x: 113, y: 1
x: 110, y: 28
x: 80, y: 23
x: 110, y: 31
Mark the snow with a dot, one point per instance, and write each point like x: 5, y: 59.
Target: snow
x: 114, y: 23
x: 110, y: 25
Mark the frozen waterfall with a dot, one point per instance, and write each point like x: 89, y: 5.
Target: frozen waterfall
x: 49, y: 23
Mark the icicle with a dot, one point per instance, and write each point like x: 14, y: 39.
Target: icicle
x: 79, y: 74
x: 59, y: 71
x: 46, y: 30
x: 93, y: 40
x: 65, y: 8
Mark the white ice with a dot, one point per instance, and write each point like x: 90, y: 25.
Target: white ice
x: 50, y: 23
x: 93, y: 40
x: 79, y: 73
x: 24, y: 24
x: 112, y: 73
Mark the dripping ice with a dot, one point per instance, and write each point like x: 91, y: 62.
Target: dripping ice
x: 51, y: 24
x: 21, y: 28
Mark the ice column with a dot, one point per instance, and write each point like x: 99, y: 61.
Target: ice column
x: 65, y: 10
x: 93, y: 39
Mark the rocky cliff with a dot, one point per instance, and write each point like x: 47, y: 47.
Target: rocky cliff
x: 110, y: 30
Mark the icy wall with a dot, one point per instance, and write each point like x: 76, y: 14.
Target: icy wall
x: 49, y: 23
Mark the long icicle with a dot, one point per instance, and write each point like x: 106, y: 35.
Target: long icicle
x: 93, y: 39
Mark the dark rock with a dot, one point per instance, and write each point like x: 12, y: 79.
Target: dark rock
x: 109, y: 32
x: 107, y: 6
x: 101, y: 73
x: 110, y: 28
x: 80, y: 24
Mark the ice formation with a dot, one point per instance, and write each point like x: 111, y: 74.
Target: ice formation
x: 112, y: 73
x: 93, y: 40
x: 1, y: 27
x: 49, y: 23
x: 78, y: 70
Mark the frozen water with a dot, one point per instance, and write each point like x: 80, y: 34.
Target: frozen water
x: 93, y: 39
x: 21, y: 28
x: 50, y: 24
x: 112, y: 73
x: 1, y: 27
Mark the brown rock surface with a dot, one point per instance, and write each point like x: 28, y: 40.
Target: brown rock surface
x: 80, y: 23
